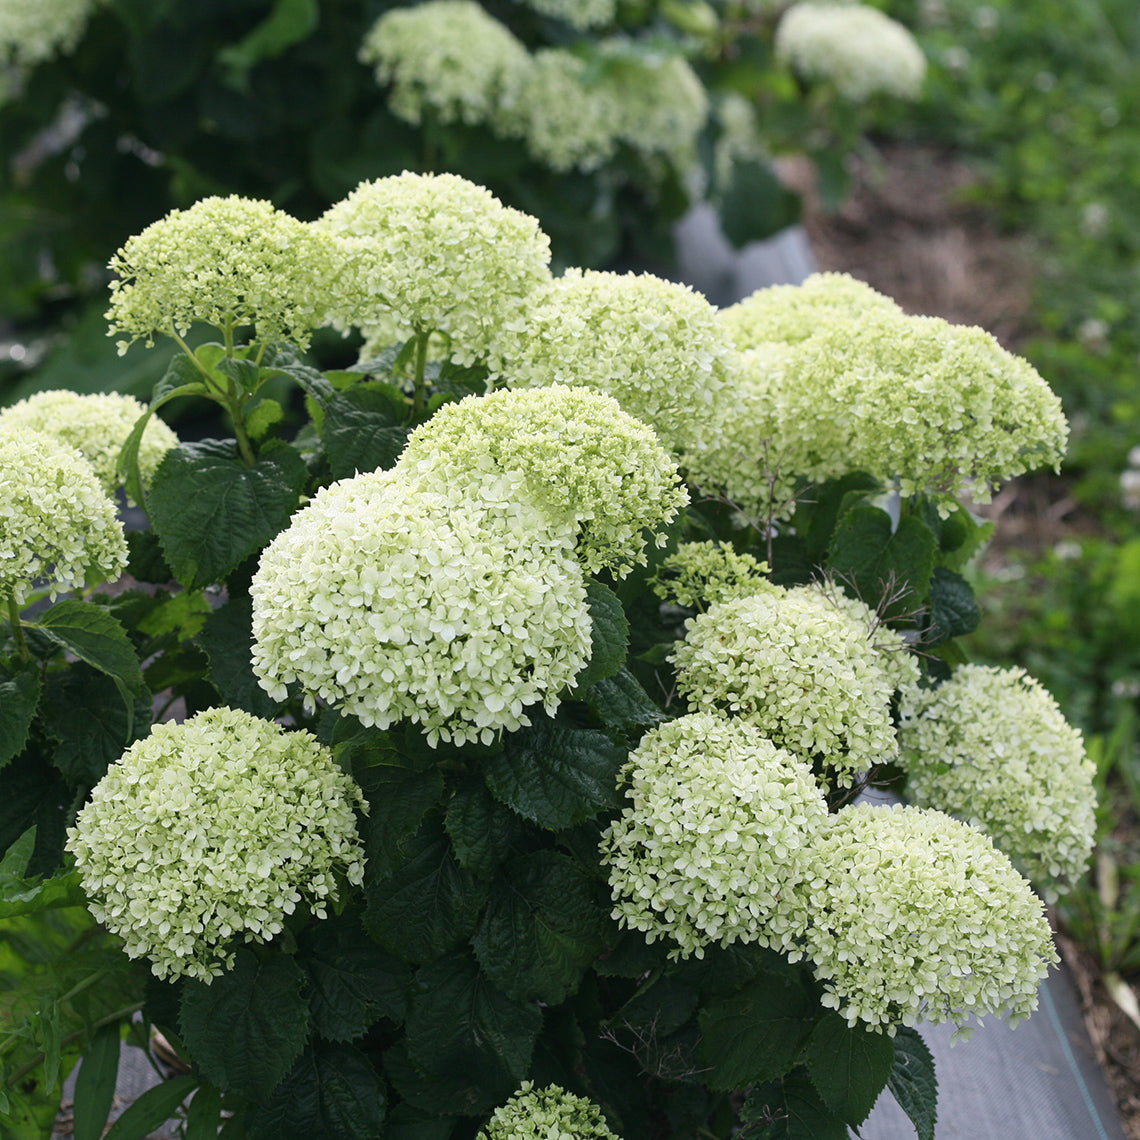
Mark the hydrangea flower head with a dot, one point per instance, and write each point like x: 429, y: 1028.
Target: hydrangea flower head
x: 223, y: 260
x: 434, y: 252
x: 209, y: 833
x: 917, y: 916
x: 700, y: 574
x: 571, y: 451
x: 32, y: 32
x: 392, y: 600
x: 990, y: 746
x: 546, y: 1114
x: 709, y: 850
x: 96, y: 425
x: 579, y: 14
x: 57, y: 524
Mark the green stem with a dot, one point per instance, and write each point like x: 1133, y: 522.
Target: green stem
x: 228, y: 333
x: 419, y: 391
x: 17, y: 627
x: 70, y: 1039
x: 244, y: 446
x: 210, y: 383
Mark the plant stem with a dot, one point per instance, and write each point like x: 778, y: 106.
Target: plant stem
x: 418, y: 392
x: 197, y: 363
x: 70, y: 1039
x: 17, y: 627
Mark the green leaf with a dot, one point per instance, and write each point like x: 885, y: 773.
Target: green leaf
x: 212, y: 511
x: 288, y: 23
x: 621, y: 704
x: 913, y: 1083
x: 556, y: 775
x: 246, y: 1028
x: 791, y: 1109
x: 35, y: 795
x: 145, y: 562
x: 609, y: 635
x: 227, y: 639
x: 19, y: 695
x: 954, y: 611
x: 398, y: 799
x: 960, y: 535
x: 849, y: 1066
x: 481, y: 828
x: 20, y: 896
x: 245, y: 374
x: 753, y: 204
x: 152, y: 1109
x: 95, y: 1084
x: 408, y: 1123
x: 541, y: 929
x: 824, y: 504
x: 205, y: 1114
x: 264, y: 415
x: 450, y: 1093
x: 364, y: 429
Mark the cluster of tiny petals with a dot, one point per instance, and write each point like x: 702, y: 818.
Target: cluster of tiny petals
x: 800, y: 669
x: 96, y: 425
x: 392, y: 600
x: 580, y: 14
x: 916, y: 916
x: 546, y: 1114
x: 57, y: 524
x: 428, y: 252
x: 990, y: 746
x: 211, y: 832
x: 859, y: 49
x: 571, y: 451
x: 700, y: 574
x: 708, y: 852
x: 223, y: 261
x: 32, y: 32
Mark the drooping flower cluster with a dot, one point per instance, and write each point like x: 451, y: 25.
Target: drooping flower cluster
x: 857, y: 48
x: 96, y: 425
x: 580, y: 14
x: 990, y: 746
x: 700, y: 574
x: 915, y: 915
x: 571, y: 451
x: 209, y: 833
x: 32, y: 32
x: 57, y: 524
x: 546, y: 1114
x: 709, y: 850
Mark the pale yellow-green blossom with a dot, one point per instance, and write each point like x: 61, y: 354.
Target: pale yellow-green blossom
x: 700, y: 574
x: 34, y: 31
x: 550, y: 1113
x: 210, y: 833
x: 580, y: 14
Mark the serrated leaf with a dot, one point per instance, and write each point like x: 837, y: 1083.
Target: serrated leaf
x: 555, y: 775
x: 227, y: 639
x: 791, y: 1109
x: 913, y: 1082
x: 153, y: 1108
x: 95, y: 1084
x: 621, y: 704
x: 145, y: 561
x: 35, y: 795
x: 204, y: 1115
x: 454, y: 1092
x: 19, y: 695
x: 954, y: 611
x: 409, y: 1123
x: 284, y: 358
x: 246, y: 1028
x: 541, y: 928
x: 20, y: 896
x: 265, y: 414
x: 363, y: 429
x: 481, y: 828
x: 609, y: 635
x: 849, y: 1066
x: 753, y: 204
x: 825, y: 504
x: 211, y: 510
x: 245, y: 374
x: 398, y: 799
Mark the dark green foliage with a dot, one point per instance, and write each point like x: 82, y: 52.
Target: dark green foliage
x: 912, y: 1081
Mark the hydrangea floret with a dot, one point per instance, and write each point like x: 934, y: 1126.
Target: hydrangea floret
x: 579, y: 14
x: 801, y: 670
x: 210, y: 833
x: 699, y: 574
x: 990, y: 746
x: 917, y: 916
x: 709, y: 850
x: 391, y: 600
x: 57, y: 525
x: 572, y: 452
x: 550, y: 1113
x: 32, y: 32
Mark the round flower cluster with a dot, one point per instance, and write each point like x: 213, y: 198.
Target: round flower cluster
x: 32, y: 32
x: 57, y: 524
x: 213, y: 831
x: 580, y: 14
x: 96, y: 425
x: 223, y: 261
x: 709, y: 851
x: 990, y: 746
x: 858, y: 48
x: 392, y: 600
x: 434, y: 253
x: 700, y: 574
x: 802, y: 671
x: 571, y: 451
x: 653, y: 345
x: 546, y: 1114
x: 448, y: 57
x: 916, y: 916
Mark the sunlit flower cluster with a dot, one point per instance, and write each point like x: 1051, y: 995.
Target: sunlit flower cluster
x: 990, y: 746
x: 211, y: 832
x: 915, y: 916
x: 571, y: 451
x: 709, y: 849
x: 700, y: 574
x: 546, y: 1114
x: 57, y: 524
x: 580, y: 14
x: 857, y: 48
x: 32, y: 31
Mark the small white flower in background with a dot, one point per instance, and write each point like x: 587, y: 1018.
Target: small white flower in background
x: 34, y: 31
x: 985, y: 18
x: 1130, y: 489
x: 550, y: 1113
x: 956, y: 58
x: 1126, y: 688
x: 578, y: 14
x: 1094, y: 220
x: 1068, y: 550
x: 1093, y: 334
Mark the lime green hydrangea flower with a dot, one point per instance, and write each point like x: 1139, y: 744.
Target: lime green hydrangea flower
x: 579, y: 14
x: 700, y: 574
x: 96, y: 425
x: 857, y: 48
x: 392, y: 601
x: 990, y: 746
x: 209, y: 833
x: 434, y: 253
x: 709, y: 850
x: 799, y: 669
x: 448, y: 58
x: 916, y: 916
x: 223, y: 261
x: 572, y: 452
x: 547, y: 1114
x: 32, y: 32
x: 58, y: 527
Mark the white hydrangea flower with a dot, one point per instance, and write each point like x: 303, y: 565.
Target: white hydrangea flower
x: 990, y: 746
x: 96, y: 425
x: 57, y: 524
x: 434, y: 253
x: 32, y: 31
x: 798, y: 668
x: 571, y: 451
x: 546, y: 1114
x: 858, y: 48
x: 210, y: 833
x: 392, y: 600
x: 700, y: 574
x: 709, y: 850
x: 579, y: 14
x: 448, y: 56
x: 916, y: 916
